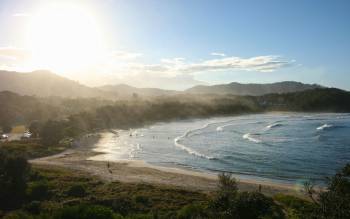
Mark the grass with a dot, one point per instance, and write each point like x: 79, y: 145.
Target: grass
x: 295, y: 207
x: 31, y: 148
x: 121, y: 197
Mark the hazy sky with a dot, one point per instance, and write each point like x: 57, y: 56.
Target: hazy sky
x: 176, y: 44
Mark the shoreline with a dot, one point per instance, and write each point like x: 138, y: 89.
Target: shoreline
x: 138, y: 171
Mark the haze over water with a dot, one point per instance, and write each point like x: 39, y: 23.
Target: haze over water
x: 286, y: 147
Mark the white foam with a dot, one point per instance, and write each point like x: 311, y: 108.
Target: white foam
x: 274, y: 125
x: 249, y: 137
x: 324, y: 126
x: 190, y: 150
x: 221, y: 128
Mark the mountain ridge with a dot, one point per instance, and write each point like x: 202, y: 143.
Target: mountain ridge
x: 44, y: 83
x: 252, y: 89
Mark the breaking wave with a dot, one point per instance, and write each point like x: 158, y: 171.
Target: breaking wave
x: 274, y: 125
x: 190, y: 150
x: 324, y: 126
x: 250, y: 137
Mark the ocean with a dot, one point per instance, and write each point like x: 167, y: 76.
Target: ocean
x: 281, y: 147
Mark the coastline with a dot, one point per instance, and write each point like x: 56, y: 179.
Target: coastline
x: 138, y: 171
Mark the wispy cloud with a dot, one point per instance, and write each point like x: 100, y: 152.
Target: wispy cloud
x: 126, y: 55
x: 13, y: 53
x: 21, y: 14
x: 218, y: 54
x: 178, y: 66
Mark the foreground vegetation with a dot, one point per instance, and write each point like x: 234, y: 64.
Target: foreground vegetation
x: 51, y: 192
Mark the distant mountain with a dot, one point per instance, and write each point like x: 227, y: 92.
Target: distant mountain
x: 126, y: 90
x: 253, y: 89
x: 45, y: 83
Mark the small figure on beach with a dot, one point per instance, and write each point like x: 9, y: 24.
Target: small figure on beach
x: 260, y: 187
x: 108, y: 167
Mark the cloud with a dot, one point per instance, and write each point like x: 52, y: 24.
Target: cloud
x: 218, y: 54
x: 21, y: 14
x: 178, y: 66
x: 13, y: 53
x: 125, y: 55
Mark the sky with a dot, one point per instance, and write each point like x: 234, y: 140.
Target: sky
x: 178, y: 44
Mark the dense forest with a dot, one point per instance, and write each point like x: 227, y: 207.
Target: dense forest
x: 55, y: 118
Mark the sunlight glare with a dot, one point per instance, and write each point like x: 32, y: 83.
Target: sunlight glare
x: 64, y: 38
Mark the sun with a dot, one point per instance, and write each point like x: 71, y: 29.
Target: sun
x: 64, y: 37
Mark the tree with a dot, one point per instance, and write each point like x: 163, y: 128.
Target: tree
x: 334, y: 201
x: 14, y: 171
x: 34, y: 128
x: 52, y: 132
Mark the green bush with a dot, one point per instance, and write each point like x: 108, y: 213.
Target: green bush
x: 77, y: 190
x: 84, y: 212
x: 141, y: 199
x: 252, y: 205
x: 14, y: 172
x: 192, y: 212
x: 18, y: 215
x: 38, y: 190
x: 33, y: 207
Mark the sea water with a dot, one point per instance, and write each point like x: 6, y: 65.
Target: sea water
x: 283, y: 147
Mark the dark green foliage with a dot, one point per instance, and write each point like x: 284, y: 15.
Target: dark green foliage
x: 18, y: 215
x: 229, y: 203
x: 141, y: 199
x: 296, y: 207
x: 252, y: 205
x: 334, y: 203
x: 38, y: 190
x: 84, y: 212
x: 14, y: 171
x: 52, y: 132
x: 227, y: 184
x: 193, y: 211
x: 30, y: 148
x: 319, y: 100
x: 33, y: 207
x: 77, y: 190
x: 35, y: 128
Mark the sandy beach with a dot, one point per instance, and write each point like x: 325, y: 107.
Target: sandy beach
x: 136, y: 171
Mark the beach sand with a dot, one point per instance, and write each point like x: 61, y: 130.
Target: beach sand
x: 79, y: 158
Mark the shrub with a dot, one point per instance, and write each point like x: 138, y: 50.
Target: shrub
x: 13, y: 180
x: 122, y: 205
x: 252, y: 205
x: 38, y: 190
x: 334, y: 202
x: 33, y: 207
x: 84, y: 212
x: 141, y: 199
x: 227, y: 184
x: 192, y: 211
x: 18, y: 215
x: 77, y: 190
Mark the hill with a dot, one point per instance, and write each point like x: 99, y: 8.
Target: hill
x: 121, y: 90
x: 253, y: 89
x: 45, y: 83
